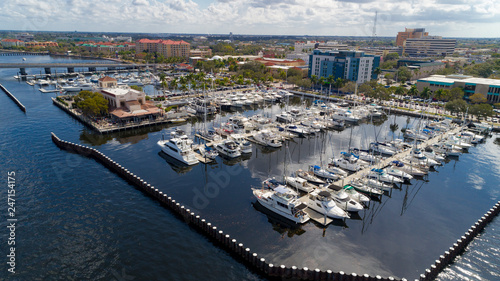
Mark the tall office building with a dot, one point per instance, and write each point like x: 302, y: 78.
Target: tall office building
x: 410, y: 33
x: 350, y: 65
x: 429, y: 46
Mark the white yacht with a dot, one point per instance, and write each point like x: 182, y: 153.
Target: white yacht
x: 345, y: 202
x: 179, y: 147
x: 355, y: 195
x: 361, y: 186
x: 391, y: 170
x: 245, y: 146
x: 300, y: 184
x: 322, y: 202
x: 345, y: 116
x: 322, y: 173
x: 408, y: 169
x: 268, y: 138
x: 383, y: 176
x: 78, y: 87
x: 310, y: 177
x: 282, y: 202
x: 336, y: 170
x: 228, y: 148
x: 382, y: 149
x: 378, y: 184
x: 208, y: 152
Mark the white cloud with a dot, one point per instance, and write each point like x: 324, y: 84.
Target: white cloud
x: 314, y: 17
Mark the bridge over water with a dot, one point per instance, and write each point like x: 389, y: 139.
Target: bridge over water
x: 92, y: 66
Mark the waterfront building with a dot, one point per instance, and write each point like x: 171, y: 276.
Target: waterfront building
x: 167, y: 48
x: 351, y: 65
x: 490, y: 88
x: 105, y: 47
x: 40, y: 44
x: 126, y: 103
x: 410, y: 33
x: 430, y: 46
x: 107, y: 82
x: 7, y: 43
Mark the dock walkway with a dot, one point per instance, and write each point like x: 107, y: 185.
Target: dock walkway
x: 385, y: 162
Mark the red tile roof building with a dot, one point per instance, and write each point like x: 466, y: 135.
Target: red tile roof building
x: 167, y: 48
x: 12, y: 43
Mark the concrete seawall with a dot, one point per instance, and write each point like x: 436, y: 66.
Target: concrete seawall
x: 12, y: 97
x: 251, y: 259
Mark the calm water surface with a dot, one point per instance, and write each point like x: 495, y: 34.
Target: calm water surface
x: 79, y: 221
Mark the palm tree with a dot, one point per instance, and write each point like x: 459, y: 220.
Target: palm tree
x: 174, y: 83
x: 426, y: 93
x: 413, y: 91
x: 377, y: 71
x: 314, y: 80
x: 321, y: 82
x: 330, y: 79
x: 439, y: 94
x: 338, y: 84
x: 400, y: 91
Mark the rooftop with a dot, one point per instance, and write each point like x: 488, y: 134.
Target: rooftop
x: 460, y: 78
x: 119, y: 91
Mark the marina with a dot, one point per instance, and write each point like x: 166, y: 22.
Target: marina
x: 414, y: 211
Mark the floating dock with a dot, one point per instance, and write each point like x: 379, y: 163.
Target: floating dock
x: 385, y: 162
x: 315, y: 216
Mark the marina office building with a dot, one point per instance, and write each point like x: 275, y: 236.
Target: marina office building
x: 490, y: 88
x: 351, y: 65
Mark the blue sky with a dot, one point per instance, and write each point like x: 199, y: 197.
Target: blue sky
x: 448, y: 18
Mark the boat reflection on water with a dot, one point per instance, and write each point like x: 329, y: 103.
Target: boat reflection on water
x: 266, y: 149
x: 279, y: 223
x: 233, y: 161
x: 176, y: 165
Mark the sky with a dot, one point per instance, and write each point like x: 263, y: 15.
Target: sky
x: 447, y: 18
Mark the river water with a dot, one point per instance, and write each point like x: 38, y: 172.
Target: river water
x: 79, y: 221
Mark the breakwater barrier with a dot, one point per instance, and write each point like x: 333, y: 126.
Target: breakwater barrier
x: 252, y: 259
x: 460, y: 245
x: 12, y: 97
x: 235, y: 248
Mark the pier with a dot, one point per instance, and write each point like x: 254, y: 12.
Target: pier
x: 386, y: 161
x: 165, y: 119
x: 12, y: 97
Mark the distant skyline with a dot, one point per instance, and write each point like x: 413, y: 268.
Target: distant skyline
x: 447, y: 18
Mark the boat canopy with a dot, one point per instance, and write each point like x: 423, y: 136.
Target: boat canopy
x: 377, y: 170
x: 398, y: 163
x: 316, y: 167
x: 324, y: 193
x: 281, y: 189
x: 301, y: 206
